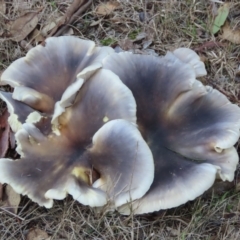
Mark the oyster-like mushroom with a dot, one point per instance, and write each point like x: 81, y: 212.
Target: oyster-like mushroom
x: 48, y: 78
x: 191, y: 129
x: 50, y: 168
x: 89, y: 142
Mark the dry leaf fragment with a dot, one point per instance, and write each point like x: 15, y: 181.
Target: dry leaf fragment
x: 126, y: 44
x: 95, y: 23
x: 69, y: 32
x: 107, y: 8
x: 173, y: 232
x: 22, y: 26
x: 50, y: 26
x: 4, y: 133
x: 2, y: 7
x: 37, y: 234
x: 26, y: 45
x: 36, y: 36
x: 230, y: 34
x: 11, y: 199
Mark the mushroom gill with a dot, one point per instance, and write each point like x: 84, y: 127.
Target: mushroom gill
x: 93, y: 135
x: 48, y: 78
x: 74, y: 109
x: 190, y: 128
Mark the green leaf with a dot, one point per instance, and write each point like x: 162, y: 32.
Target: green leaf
x: 107, y: 41
x: 221, y: 17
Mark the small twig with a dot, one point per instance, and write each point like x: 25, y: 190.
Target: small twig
x: 210, y: 44
x: 73, y: 12
x: 73, y: 18
x: 13, y: 214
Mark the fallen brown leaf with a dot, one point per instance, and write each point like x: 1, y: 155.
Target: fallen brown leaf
x: 50, y: 26
x: 37, y: 234
x: 22, y: 26
x: 126, y: 44
x: 230, y: 34
x: 11, y: 200
x: 36, y: 36
x: 107, y: 8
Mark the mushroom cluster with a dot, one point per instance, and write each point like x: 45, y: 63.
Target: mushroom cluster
x: 133, y: 133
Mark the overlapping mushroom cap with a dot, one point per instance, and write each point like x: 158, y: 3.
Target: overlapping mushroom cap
x: 75, y: 125
x: 48, y: 78
x: 92, y: 114
x: 190, y: 128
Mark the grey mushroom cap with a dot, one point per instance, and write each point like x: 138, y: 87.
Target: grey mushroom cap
x: 48, y: 78
x: 191, y: 129
x: 124, y: 161
x: 102, y: 98
x: 88, y: 135
x: 50, y: 168
x: 190, y: 57
x: 19, y: 112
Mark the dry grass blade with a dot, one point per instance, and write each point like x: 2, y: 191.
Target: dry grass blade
x: 10, y: 213
x: 208, y: 45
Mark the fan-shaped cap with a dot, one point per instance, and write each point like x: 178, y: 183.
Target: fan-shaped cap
x: 19, y: 112
x: 190, y: 128
x: 50, y: 76
x: 50, y: 168
x: 102, y: 98
x: 187, y: 55
x: 124, y: 161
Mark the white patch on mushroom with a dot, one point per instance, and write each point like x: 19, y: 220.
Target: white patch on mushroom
x: 189, y: 56
x: 129, y: 172
x: 34, y: 117
x: 13, y: 121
